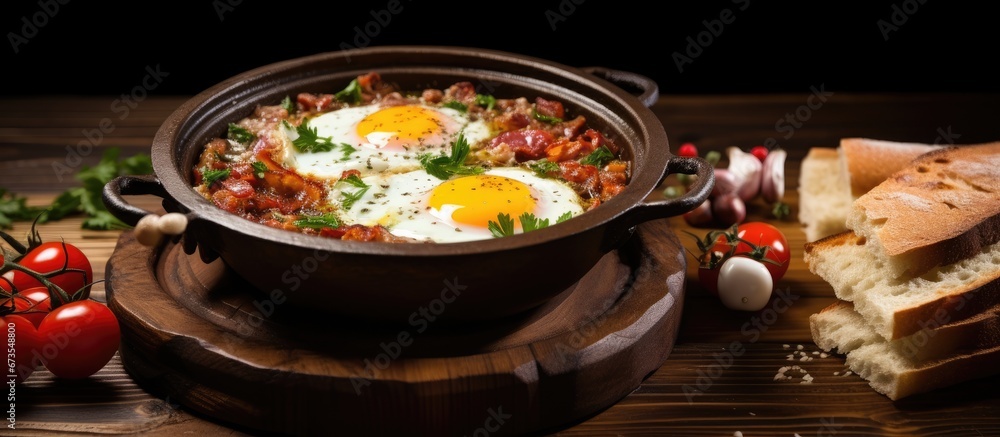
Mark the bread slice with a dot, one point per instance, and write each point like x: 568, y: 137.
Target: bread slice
x: 867, y: 162
x: 824, y: 199
x: 933, y: 358
x: 831, y: 178
x: 839, y: 327
x: 943, y: 207
x: 896, y: 307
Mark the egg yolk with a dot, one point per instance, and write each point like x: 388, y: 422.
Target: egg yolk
x: 405, y: 125
x: 475, y: 200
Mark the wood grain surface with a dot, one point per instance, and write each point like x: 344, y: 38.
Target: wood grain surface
x: 720, y: 376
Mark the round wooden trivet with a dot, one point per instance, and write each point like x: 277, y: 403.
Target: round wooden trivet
x: 202, y: 336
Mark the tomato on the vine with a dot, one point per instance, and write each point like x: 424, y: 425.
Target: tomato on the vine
x: 32, y: 304
x: 762, y: 234
x: 71, y: 269
x: 25, y: 340
x: 85, y: 335
x: 760, y: 242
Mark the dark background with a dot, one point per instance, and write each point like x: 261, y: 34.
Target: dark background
x: 90, y: 48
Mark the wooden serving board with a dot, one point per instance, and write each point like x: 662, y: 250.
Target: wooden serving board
x: 194, y: 332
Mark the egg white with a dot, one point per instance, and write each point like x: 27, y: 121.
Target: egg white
x: 400, y: 203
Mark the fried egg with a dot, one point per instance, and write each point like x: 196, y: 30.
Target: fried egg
x: 381, y: 138
x: 420, y: 206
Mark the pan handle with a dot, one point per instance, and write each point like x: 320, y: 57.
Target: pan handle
x: 697, y: 194
x: 130, y: 185
x: 647, y: 89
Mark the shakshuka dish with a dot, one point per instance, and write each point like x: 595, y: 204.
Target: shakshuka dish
x: 376, y: 163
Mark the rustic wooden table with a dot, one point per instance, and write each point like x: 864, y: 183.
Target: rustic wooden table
x: 704, y: 388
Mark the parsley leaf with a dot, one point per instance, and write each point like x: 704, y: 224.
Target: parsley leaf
x: 598, y: 157
x: 239, y: 134
x: 350, y: 94
x: 566, y: 216
x: 348, y: 199
x: 259, y: 168
x: 546, y: 118
x: 503, y: 227
x: 544, y: 167
x: 289, y: 105
x: 318, y: 221
x: 531, y: 223
x: 443, y: 167
x: 309, y: 140
x: 348, y: 150
x: 456, y: 105
x: 209, y: 177
x: 87, y: 199
x: 14, y: 208
x: 486, y: 100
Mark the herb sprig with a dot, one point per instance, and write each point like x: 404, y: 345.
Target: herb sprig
x: 445, y: 166
x: 318, y: 222
x: 347, y: 200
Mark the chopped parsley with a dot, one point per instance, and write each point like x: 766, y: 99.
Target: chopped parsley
x: 309, y: 140
x: 456, y: 105
x: 350, y: 94
x: 545, y: 118
x: 598, y: 157
x: 289, y: 105
x: 486, y: 100
x: 530, y: 223
x: 209, y: 177
x: 239, y: 134
x: 443, y: 166
x: 318, y: 221
x: 347, y: 200
x: 503, y: 227
x: 259, y: 168
x: 348, y: 150
x: 544, y: 167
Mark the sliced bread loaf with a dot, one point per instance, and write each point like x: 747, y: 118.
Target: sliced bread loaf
x: 824, y: 199
x: 839, y: 327
x: 943, y: 207
x: 896, y: 307
x: 930, y: 359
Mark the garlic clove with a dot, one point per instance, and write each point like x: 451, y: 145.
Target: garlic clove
x: 747, y: 168
x: 772, y: 181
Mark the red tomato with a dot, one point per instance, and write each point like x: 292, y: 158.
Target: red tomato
x: 688, y: 150
x: 55, y: 257
x: 80, y: 338
x: 32, y: 304
x: 26, y: 342
x: 765, y: 234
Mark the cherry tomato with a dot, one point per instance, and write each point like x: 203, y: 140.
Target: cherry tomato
x: 688, y: 150
x: 760, y: 152
x: 22, y: 335
x: 53, y: 257
x: 80, y: 338
x: 32, y: 304
x: 766, y: 234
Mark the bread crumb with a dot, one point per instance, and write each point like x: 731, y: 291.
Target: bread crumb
x: 815, y: 352
x: 824, y: 355
x: 836, y: 373
x: 737, y: 434
x: 791, y: 358
x: 785, y: 346
x: 797, y: 435
x: 752, y: 414
x: 799, y: 347
x: 848, y: 373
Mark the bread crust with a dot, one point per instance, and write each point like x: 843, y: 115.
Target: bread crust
x: 943, y: 207
x: 869, y: 162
